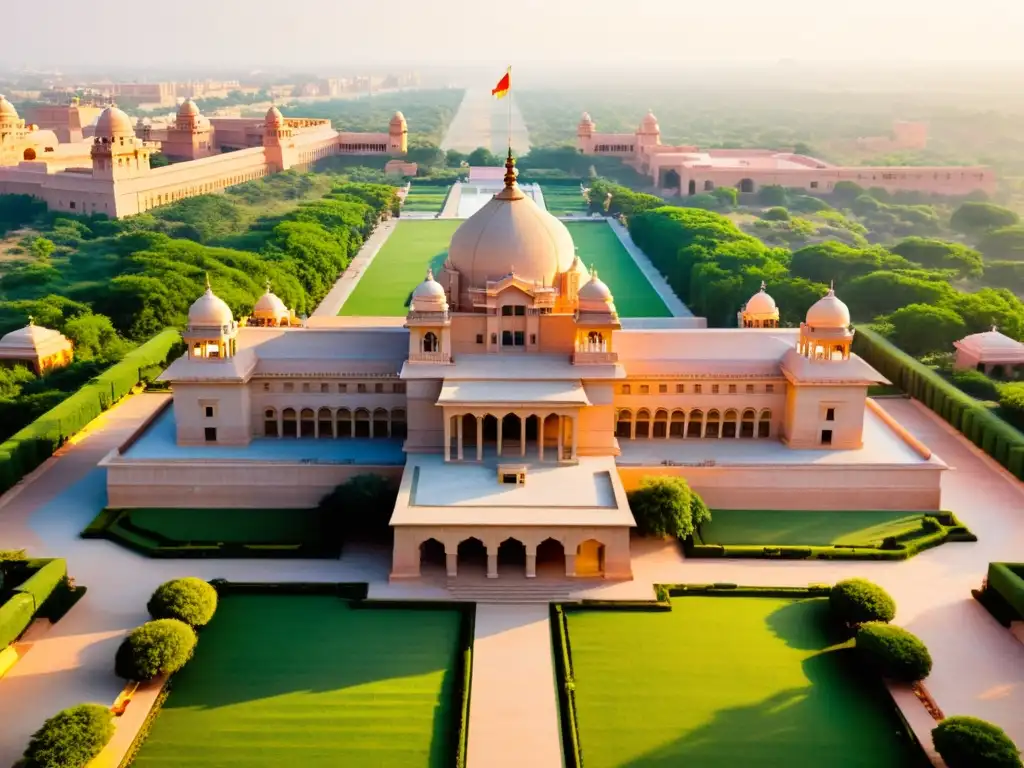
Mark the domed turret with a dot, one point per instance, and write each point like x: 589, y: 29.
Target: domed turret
x: 650, y: 123
x: 760, y: 311
x: 270, y: 310
x: 8, y: 114
x: 828, y: 312
x: 398, y: 119
x: 209, y: 311
x: 596, y: 296
x: 114, y: 123
x: 274, y: 116
x: 188, y: 108
x: 429, y: 296
x: 585, y: 119
x: 510, y: 232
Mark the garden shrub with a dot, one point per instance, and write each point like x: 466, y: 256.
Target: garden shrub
x: 1007, y: 579
x: 893, y: 652
x: 15, y: 615
x: 856, y: 601
x: 976, y: 384
x: 968, y: 742
x: 189, y: 599
x: 157, y: 647
x: 71, y: 738
x: 40, y: 585
x: 665, y: 506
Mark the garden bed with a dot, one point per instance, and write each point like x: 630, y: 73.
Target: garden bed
x: 725, y: 678
x: 299, y: 676
x: 307, y: 533
x: 824, y: 535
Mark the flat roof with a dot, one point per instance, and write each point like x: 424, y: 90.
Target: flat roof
x: 159, y: 443
x: 513, y: 392
x: 882, y: 447
x: 512, y: 367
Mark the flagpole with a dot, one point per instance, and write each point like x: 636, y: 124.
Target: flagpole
x: 510, y: 110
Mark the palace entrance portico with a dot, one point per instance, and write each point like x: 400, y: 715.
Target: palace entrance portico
x: 538, y: 420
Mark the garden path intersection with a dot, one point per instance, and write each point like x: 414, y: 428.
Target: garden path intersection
x: 979, y: 667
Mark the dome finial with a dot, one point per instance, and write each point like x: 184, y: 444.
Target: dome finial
x: 208, y: 287
x: 764, y: 286
x: 32, y: 321
x: 510, y: 170
x: 267, y: 284
x: 832, y: 287
x: 430, y: 274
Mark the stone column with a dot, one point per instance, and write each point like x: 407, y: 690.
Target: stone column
x: 499, y: 435
x: 561, y: 437
x: 352, y: 424
x: 575, y: 437
x: 492, y: 563
x: 451, y: 563
x: 459, y: 439
x: 479, y: 438
x: 447, y: 437
x: 280, y: 425
x: 570, y: 563
x: 531, y: 564
x: 632, y: 425
x: 540, y: 437
x: 522, y: 435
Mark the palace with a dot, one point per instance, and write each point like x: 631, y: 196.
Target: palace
x: 688, y: 170
x: 514, y: 408
x: 109, y: 172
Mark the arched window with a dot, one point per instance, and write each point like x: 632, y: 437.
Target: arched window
x: 362, y: 421
x: 693, y: 429
x: 307, y: 423
x: 660, y: 424
x: 325, y: 423
x: 289, y: 424
x: 344, y: 421
x: 399, y: 427
x: 729, y: 424
x: 429, y: 342
x: 714, y: 425
x: 30, y: 154
x: 764, y: 424
x: 677, y: 423
x: 380, y: 423
x: 747, y: 425
x: 270, y: 423
x: 643, y: 423
x: 623, y: 423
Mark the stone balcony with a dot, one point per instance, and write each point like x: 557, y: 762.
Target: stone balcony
x: 435, y: 358
x: 588, y: 357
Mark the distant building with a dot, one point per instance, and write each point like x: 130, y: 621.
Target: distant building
x: 110, y: 172
x: 691, y: 170
x: 38, y: 348
x: 70, y: 123
x: 906, y: 135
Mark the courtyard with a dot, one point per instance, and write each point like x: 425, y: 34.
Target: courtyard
x: 719, y: 682
x: 311, y: 680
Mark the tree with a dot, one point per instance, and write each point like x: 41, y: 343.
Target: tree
x: 188, y: 599
x: 920, y: 329
x: 1005, y: 243
x: 159, y: 647
x: 481, y: 156
x: 776, y: 213
x: 940, y: 254
x: 879, y: 293
x: 857, y: 601
x: 727, y: 196
x: 71, y: 738
x: 362, y: 506
x: 94, y: 336
x: 772, y: 195
x: 968, y: 742
x: 846, y: 191
x: 974, y: 218
x: 666, y: 506
x: 41, y: 248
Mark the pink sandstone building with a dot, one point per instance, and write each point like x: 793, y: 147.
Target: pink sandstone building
x: 689, y: 170
x: 109, y: 172
x: 514, y: 409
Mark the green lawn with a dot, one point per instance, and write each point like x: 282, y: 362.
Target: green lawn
x: 599, y: 247
x: 243, y: 526
x: 425, y: 198
x: 806, y: 528
x: 310, y: 681
x: 560, y: 200
x: 722, y: 682
x: 400, y: 266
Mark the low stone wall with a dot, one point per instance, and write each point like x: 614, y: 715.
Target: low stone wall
x: 232, y: 485
x: 823, y: 487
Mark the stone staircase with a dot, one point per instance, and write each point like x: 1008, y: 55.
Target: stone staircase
x: 512, y: 590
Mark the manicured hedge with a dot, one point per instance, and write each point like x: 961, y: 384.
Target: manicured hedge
x: 982, y: 427
x: 29, y: 597
x: 71, y: 738
x: 967, y: 742
x: 159, y: 647
x: 27, y: 449
x: 566, y: 688
x: 893, y: 652
x: 40, y: 585
x: 1007, y: 580
x: 15, y: 616
x: 857, y: 601
x: 189, y: 599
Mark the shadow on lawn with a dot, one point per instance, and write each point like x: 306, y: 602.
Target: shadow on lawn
x: 436, y: 263
x: 837, y: 720
x: 805, y: 625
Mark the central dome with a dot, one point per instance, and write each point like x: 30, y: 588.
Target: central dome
x: 510, y: 233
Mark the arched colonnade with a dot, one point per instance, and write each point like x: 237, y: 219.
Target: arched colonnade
x: 695, y: 423
x: 569, y: 556
x: 334, y: 422
x: 510, y: 432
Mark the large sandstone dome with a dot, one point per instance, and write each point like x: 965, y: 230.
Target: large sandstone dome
x: 113, y: 123
x: 510, y: 233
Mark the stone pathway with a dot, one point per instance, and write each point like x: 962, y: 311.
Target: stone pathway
x: 660, y: 284
x: 451, y: 203
x: 349, y: 279
x: 513, y: 708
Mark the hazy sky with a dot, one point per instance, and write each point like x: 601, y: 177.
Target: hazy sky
x: 325, y: 33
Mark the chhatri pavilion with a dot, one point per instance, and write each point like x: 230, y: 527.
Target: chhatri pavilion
x: 514, y: 408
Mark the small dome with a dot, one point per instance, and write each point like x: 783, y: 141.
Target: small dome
x: 398, y: 119
x: 30, y: 338
x: 650, y: 122
x: 828, y: 312
x: 7, y: 111
x: 274, y: 115
x: 188, y: 108
x: 586, y: 118
x: 596, y: 290
x: 209, y: 310
x: 761, y: 303
x: 270, y: 305
x: 429, y: 295
x: 113, y: 122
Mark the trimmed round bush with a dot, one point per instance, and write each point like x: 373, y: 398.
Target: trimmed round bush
x: 778, y: 213
x: 71, y: 738
x: 856, y: 601
x: 893, y: 652
x: 157, y: 647
x: 190, y: 600
x: 967, y: 742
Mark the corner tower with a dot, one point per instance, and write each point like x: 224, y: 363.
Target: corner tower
x: 278, y: 141
x: 117, y: 154
x: 398, y: 135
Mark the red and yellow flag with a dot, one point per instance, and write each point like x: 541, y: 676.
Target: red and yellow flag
x: 502, y: 88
